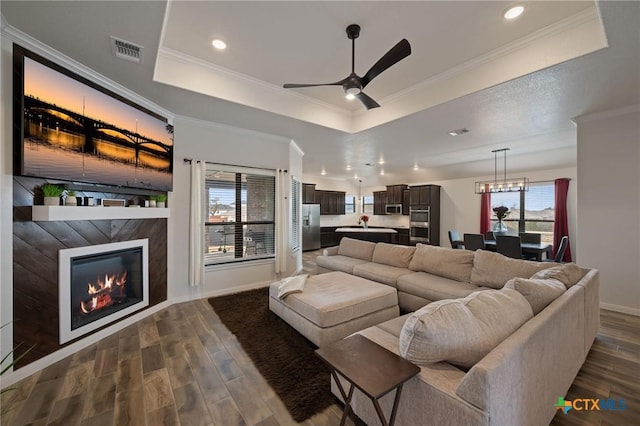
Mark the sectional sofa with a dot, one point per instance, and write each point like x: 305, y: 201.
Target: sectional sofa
x: 498, y: 340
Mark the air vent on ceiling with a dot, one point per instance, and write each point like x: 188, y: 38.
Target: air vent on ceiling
x: 126, y: 50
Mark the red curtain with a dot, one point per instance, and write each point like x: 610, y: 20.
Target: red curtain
x: 560, y: 224
x: 485, y: 211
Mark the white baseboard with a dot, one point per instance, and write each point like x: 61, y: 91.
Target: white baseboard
x: 621, y: 309
x: 12, y: 377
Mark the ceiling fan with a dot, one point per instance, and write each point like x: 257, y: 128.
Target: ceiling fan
x: 353, y: 84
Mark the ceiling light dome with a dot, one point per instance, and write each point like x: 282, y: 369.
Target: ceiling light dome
x: 514, y: 12
x: 219, y: 44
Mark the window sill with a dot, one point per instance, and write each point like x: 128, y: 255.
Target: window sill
x: 239, y: 264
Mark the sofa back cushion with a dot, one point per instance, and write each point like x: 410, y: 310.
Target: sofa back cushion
x: 568, y: 274
x: 463, y: 331
x: 356, y: 248
x: 538, y: 292
x: 443, y: 261
x: 494, y: 270
x: 393, y: 255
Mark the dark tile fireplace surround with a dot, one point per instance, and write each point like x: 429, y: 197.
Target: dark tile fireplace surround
x: 35, y: 264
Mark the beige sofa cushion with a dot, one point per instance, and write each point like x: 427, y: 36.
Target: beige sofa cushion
x: 356, y: 248
x: 443, y: 261
x: 494, y: 270
x: 377, y: 272
x: 339, y: 263
x: 539, y: 293
x: 463, y: 331
x: 568, y: 274
x: 433, y: 287
x: 393, y: 255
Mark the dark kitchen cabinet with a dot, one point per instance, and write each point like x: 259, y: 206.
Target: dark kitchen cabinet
x: 406, y: 201
x: 328, y: 236
x: 331, y: 202
x: 427, y: 198
x: 379, y: 202
x: 395, y: 194
x: 403, y: 236
x: 309, y: 193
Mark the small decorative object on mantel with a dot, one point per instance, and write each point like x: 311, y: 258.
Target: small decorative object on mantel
x: 501, y: 212
x: 161, y: 200
x: 51, y: 193
x: 70, y: 199
x: 364, y: 220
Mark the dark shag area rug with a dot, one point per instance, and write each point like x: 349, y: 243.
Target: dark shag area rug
x: 283, y: 356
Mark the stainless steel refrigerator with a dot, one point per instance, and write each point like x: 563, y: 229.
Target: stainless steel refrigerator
x: 310, y: 227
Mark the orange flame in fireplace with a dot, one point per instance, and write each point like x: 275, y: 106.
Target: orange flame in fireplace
x: 101, y: 292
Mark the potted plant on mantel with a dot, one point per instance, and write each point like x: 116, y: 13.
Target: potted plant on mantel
x: 161, y: 200
x: 70, y: 199
x: 51, y: 194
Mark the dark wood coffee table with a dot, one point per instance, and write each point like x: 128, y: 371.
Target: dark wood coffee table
x: 370, y: 368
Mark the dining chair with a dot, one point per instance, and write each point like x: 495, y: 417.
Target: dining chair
x: 562, y: 247
x: 509, y: 245
x: 489, y: 236
x: 455, y: 240
x: 473, y: 242
x: 531, y: 237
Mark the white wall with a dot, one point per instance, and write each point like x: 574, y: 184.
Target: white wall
x: 211, y: 142
x: 6, y: 200
x: 609, y: 204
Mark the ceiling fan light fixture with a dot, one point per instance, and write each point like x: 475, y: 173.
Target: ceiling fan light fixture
x: 350, y: 96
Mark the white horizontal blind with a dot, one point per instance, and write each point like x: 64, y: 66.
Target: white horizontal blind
x: 239, y: 214
x: 295, y: 214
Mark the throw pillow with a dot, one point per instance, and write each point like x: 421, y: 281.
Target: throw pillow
x: 443, y: 261
x: 539, y: 293
x: 393, y: 255
x: 569, y: 274
x: 356, y: 248
x: 494, y: 270
x: 463, y: 331
x: 291, y: 285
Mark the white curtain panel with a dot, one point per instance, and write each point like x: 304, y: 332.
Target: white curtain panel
x: 196, y: 224
x: 282, y: 222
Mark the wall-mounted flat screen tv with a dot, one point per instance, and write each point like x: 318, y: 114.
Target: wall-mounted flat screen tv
x: 69, y: 128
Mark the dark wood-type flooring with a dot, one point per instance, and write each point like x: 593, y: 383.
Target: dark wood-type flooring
x: 181, y: 366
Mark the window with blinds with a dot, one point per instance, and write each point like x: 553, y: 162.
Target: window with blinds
x: 239, y: 214
x: 295, y: 213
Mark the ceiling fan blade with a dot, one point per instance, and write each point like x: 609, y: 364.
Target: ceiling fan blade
x: 295, y: 86
x: 367, y: 101
x: 393, y: 56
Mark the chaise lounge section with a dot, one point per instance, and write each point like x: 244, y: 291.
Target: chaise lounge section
x: 516, y: 381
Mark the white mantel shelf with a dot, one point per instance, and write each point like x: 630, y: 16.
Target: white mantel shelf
x: 64, y: 213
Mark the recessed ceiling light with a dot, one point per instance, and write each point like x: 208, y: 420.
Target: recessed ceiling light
x: 219, y: 44
x: 323, y: 172
x: 381, y: 172
x: 415, y: 167
x: 381, y: 162
x: 514, y: 12
x: 356, y: 176
x: 348, y: 167
x: 459, y: 132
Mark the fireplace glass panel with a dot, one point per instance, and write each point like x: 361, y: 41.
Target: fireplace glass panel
x: 104, y: 283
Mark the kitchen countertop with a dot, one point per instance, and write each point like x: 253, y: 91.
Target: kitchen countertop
x: 370, y: 230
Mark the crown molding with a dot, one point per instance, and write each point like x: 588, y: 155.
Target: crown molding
x: 196, y: 122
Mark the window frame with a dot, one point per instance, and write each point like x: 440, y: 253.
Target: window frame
x: 239, y: 234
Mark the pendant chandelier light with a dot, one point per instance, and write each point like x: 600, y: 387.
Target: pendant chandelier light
x: 504, y: 184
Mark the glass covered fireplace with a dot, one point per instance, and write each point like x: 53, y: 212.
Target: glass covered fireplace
x: 100, y: 284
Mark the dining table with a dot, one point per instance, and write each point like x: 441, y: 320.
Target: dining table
x: 535, y: 249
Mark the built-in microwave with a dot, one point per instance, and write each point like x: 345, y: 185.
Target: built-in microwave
x: 393, y: 209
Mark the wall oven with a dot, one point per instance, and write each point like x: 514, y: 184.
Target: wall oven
x: 419, y: 226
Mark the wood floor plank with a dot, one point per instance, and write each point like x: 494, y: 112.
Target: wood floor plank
x: 76, y: 382
x: 149, y: 335
x: 252, y: 409
x: 104, y: 419
x: 55, y: 371
x: 66, y: 411
x: 129, y: 408
x: 226, y: 365
x: 106, y: 361
x: 211, y: 384
x: 225, y: 412
x: 152, y: 359
x: 157, y: 390
x: 163, y: 416
x: 129, y: 375
x: 129, y: 347
x: 40, y: 401
x: 101, y: 396
x: 191, y: 407
x: 179, y: 370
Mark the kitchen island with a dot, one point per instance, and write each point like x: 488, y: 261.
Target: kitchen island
x: 376, y: 235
